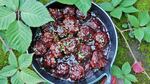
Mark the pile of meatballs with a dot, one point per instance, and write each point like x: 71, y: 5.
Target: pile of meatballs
x: 73, y: 44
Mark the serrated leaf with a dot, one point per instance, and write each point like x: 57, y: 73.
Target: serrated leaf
x: 70, y: 2
x: 116, y: 2
x: 8, y: 71
x: 131, y: 77
x: 7, y: 16
x: 116, y: 13
x: 106, y: 6
x: 127, y: 81
x: 16, y: 79
x: 127, y: 3
x: 25, y: 60
x: 144, y: 18
x: 139, y: 34
x: 12, y: 59
x: 126, y: 68
x: 19, y: 36
x: 133, y: 20
x: 83, y: 5
x: 116, y: 71
x: 12, y: 4
x: 147, y: 34
x: 34, y: 13
x: 27, y: 75
x: 130, y: 9
x: 3, y: 80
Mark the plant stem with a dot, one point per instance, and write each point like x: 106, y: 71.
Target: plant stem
x: 146, y: 74
x: 121, y: 32
x: 126, y: 30
x: 1, y: 39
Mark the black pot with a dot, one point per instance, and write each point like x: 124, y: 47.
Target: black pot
x: 104, y: 17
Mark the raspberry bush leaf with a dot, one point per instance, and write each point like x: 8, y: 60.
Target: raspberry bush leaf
x: 19, y: 36
x: 34, y: 13
x: 25, y: 60
x: 7, y: 16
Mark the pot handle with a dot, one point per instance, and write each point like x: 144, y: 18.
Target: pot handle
x: 108, y: 80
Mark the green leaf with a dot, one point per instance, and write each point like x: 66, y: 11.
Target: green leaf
x: 126, y: 68
x: 6, y: 17
x: 139, y: 34
x: 25, y: 60
x: 2, y: 2
x: 34, y: 13
x: 16, y: 79
x: 147, y: 34
x: 83, y: 5
x: 133, y: 20
x: 127, y: 81
x: 3, y: 80
x: 19, y: 36
x: 70, y: 2
x: 116, y: 13
x: 12, y: 4
x: 12, y: 59
x: 8, y: 71
x: 131, y: 77
x: 127, y: 3
x: 106, y: 6
x: 27, y: 75
x: 144, y: 18
x: 116, y: 2
x: 116, y: 71
x: 130, y: 9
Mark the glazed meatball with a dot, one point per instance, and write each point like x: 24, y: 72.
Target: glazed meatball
x: 98, y: 60
x: 47, y: 39
x: 85, y: 33
x: 62, y: 69
x: 71, y: 24
x: 101, y: 39
x: 56, y: 50
x: 76, y: 72
x: 56, y: 13
x: 84, y: 52
x: 69, y: 45
x: 69, y: 11
x: 94, y: 23
x: 80, y: 15
x: 39, y: 48
x: 49, y: 60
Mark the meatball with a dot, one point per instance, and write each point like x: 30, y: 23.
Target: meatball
x: 85, y: 33
x: 39, y: 48
x: 101, y: 39
x: 56, y: 50
x: 69, y: 11
x: 94, y: 23
x: 47, y: 39
x: 49, y: 60
x: 62, y: 69
x: 56, y: 13
x: 76, y: 72
x: 80, y: 15
x: 71, y: 24
x: 84, y: 51
x: 98, y: 60
x: 69, y: 45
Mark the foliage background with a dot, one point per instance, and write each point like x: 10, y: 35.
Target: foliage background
x: 142, y: 51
